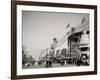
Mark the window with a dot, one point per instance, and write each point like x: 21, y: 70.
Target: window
x: 87, y: 32
x: 84, y: 48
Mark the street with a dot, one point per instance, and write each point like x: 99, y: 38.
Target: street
x: 44, y: 66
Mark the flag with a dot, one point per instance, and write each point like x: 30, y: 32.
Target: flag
x: 83, y: 20
x: 67, y: 26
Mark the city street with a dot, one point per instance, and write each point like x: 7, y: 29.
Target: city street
x: 44, y: 66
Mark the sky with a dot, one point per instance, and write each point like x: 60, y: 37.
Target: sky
x: 39, y: 28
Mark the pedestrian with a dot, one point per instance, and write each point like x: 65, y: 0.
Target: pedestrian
x: 48, y: 63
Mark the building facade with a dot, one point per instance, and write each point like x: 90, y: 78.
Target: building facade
x: 78, y: 42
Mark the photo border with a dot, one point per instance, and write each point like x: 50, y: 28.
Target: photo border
x: 14, y: 38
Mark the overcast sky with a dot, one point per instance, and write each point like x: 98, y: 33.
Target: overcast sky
x: 39, y: 28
